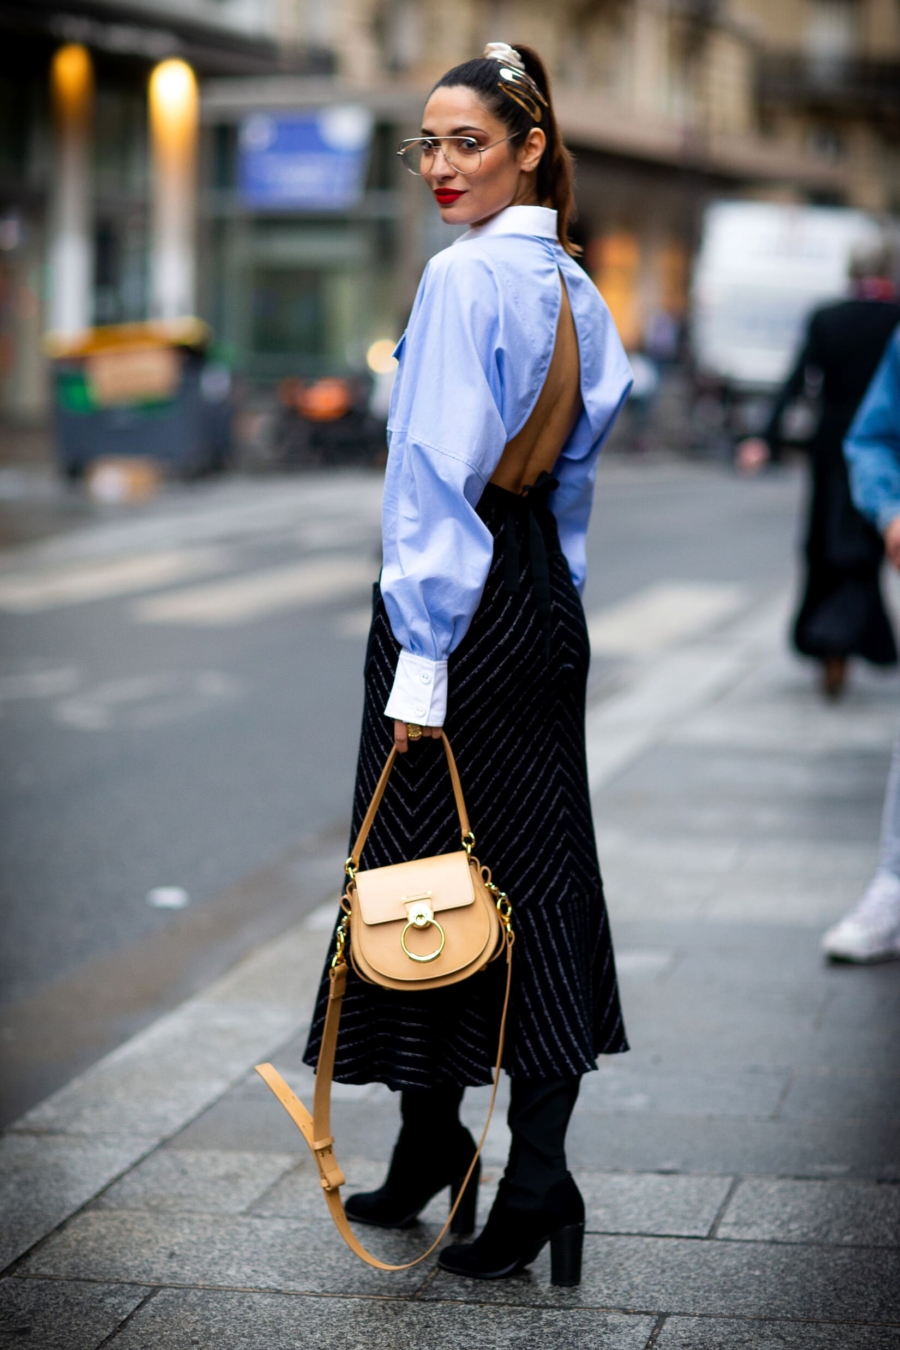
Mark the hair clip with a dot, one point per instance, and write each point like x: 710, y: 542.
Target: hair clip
x: 521, y: 88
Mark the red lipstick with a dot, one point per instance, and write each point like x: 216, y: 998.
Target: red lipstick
x: 447, y: 196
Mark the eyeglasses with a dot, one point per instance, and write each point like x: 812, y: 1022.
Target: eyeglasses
x: 462, y: 153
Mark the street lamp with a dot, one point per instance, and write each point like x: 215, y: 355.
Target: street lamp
x: 71, y: 251
x: 173, y: 133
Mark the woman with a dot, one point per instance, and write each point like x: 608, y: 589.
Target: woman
x: 842, y: 612
x: 510, y: 367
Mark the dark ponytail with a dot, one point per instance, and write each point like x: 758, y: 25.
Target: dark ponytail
x: 555, y: 173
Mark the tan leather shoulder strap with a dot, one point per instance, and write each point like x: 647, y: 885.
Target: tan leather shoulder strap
x: 316, y: 1128
x: 379, y: 793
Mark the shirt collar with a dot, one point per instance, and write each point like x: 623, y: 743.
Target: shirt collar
x: 538, y: 220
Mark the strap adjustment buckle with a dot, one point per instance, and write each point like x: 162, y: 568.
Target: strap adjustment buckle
x: 330, y: 1175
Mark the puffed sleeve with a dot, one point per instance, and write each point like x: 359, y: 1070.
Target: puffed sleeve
x: 447, y: 434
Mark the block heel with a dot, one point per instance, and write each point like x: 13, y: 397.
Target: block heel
x: 513, y: 1237
x: 464, y: 1219
x: 566, y: 1246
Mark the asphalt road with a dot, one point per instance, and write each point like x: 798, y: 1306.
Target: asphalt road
x: 180, y: 694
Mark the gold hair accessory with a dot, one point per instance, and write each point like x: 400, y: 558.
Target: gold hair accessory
x: 521, y: 88
x: 514, y: 80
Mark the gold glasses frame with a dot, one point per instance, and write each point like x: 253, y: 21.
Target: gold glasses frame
x: 410, y: 143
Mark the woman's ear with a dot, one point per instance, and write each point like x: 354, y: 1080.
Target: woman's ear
x: 532, y: 148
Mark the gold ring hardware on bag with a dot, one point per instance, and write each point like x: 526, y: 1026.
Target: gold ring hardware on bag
x: 432, y: 956
x: 421, y: 915
x: 477, y: 918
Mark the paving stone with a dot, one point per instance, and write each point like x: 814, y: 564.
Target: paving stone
x: 298, y: 1194
x: 672, y: 1206
x: 626, y: 1089
x: 717, y: 996
x: 737, y: 1279
x: 776, y: 901
x: 210, y: 1182
x: 846, y: 1212
x: 256, y: 1123
x: 744, y: 948
x: 45, y: 1178
x: 172, y: 1070
x: 806, y: 1148
x: 715, y: 1333
x: 637, y: 964
x: 214, y: 1320
x: 243, y: 1122
x: 52, y: 1316
x: 627, y: 847
x: 802, y: 1047
x: 860, y: 996
x: 843, y: 1096
x: 663, y: 1205
x: 224, y: 1251
x: 249, y: 1119
x: 668, y: 1205
x: 825, y: 861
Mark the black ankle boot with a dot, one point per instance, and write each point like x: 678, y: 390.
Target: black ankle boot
x: 415, y: 1176
x: 513, y: 1237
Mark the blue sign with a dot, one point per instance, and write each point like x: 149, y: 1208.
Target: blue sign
x: 311, y: 161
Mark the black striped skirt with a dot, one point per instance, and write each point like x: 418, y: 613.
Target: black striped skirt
x: 515, y: 720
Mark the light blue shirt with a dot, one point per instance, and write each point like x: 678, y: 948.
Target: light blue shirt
x: 472, y: 363
x: 872, y: 447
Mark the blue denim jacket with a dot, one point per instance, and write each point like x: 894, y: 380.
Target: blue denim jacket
x: 872, y: 446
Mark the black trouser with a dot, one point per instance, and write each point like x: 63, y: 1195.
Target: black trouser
x: 538, y: 1117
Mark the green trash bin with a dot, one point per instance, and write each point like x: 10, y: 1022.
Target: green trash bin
x: 140, y: 390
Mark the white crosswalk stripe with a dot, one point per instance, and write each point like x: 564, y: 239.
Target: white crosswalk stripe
x: 258, y: 594
x: 662, y: 616
x: 32, y: 592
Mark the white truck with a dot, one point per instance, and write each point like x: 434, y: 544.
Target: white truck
x: 761, y: 269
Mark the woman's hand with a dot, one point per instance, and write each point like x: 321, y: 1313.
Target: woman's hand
x: 401, y: 735
x: 752, y: 455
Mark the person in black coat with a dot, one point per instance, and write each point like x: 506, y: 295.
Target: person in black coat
x: 842, y: 612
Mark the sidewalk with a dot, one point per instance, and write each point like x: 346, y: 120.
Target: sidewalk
x: 740, y: 1165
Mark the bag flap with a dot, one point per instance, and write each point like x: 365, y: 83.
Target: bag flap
x: 445, y: 880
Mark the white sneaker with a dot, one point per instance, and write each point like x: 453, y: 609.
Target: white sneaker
x: 871, y: 931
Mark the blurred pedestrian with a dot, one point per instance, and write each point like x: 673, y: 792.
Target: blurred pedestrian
x: 871, y: 931
x: 511, y: 375
x: 842, y: 612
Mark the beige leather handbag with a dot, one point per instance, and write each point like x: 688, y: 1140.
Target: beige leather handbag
x: 413, y: 926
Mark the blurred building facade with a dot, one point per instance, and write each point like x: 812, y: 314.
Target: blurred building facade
x: 75, y: 155
x: 667, y: 105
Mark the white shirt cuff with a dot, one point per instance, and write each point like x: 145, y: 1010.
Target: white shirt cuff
x: 420, y: 691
